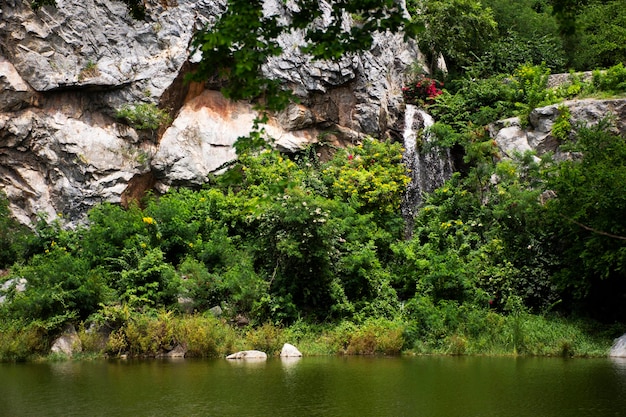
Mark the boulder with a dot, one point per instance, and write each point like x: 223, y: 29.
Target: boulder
x: 216, y: 311
x: 248, y: 354
x: 68, y: 343
x: 177, y: 352
x: 290, y: 351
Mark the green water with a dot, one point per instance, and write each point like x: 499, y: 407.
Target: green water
x: 325, y: 386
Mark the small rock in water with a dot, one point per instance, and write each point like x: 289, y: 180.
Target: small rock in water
x: 248, y: 354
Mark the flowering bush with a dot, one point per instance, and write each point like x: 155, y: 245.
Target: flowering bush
x: 422, y: 91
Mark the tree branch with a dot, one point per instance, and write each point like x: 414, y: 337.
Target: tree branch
x: 591, y: 229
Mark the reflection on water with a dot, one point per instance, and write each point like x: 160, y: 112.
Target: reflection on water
x: 324, y: 386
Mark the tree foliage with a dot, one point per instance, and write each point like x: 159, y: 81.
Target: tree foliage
x: 245, y: 37
x: 588, y: 209
x: 457, y: 29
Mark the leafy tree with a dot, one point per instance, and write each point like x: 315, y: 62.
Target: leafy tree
x: 528, y: 19
x: 591, y: 231
x: 14, y: 237
x: 457, y: 29
x: 600, y: 37
x: 245, y: 37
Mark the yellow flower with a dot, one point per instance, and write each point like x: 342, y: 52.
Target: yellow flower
x: 148, y: 220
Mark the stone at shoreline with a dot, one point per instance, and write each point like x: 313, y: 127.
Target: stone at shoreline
x: 290, y: 351
x: 248, y: 354
x: 68, y: 343
x: 177, y: 352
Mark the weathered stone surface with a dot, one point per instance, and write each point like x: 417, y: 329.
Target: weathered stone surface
x: 51, y: 48
x: 200, y: 141
x: 65, y: 72
x: 511, y: 137
x: 64, y: 160
x: 16, y: 94
x: 290, y: 351
x: 68, y: 343
x: 248, y: 354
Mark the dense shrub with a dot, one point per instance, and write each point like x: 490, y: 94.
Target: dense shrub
x: 14, y: 237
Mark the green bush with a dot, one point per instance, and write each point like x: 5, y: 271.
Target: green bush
x: 14, y: 237
x: 612, y: 80
x: 60, y: 287
x: 144, y: 116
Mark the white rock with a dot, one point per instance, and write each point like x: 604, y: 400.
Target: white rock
x: 248, y: 354
x: 68, y: 343
x: 289, y: 351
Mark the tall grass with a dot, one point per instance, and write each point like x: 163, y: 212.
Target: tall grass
x: 480, y: 332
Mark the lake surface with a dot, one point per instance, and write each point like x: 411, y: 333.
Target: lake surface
x: 318, y: 386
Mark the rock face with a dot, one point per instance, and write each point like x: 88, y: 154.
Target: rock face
x: 511, y: 137
x: 66, y: 71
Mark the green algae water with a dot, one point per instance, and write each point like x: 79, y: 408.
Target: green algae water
x: 318, y: 386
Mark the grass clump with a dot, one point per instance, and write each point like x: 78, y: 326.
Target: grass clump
x: 144, y: 116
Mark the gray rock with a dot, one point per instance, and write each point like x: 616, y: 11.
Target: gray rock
x: 68, y: 343
x: 185, y: 304
x: 511, y: 137
x: 248, y: 354
x: 216, y: 311
x: 177, y: 352
x: 13, y: 284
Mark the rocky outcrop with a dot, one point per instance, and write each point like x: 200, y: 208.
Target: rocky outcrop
x: 66, y: 71
x: 511, y: 137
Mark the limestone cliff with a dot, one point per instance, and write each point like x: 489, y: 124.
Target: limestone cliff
x: 66, y: 71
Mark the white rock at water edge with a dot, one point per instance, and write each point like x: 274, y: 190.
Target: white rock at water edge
x: 248, y: 354
x: 290, y: 351
x: 68, y: 343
